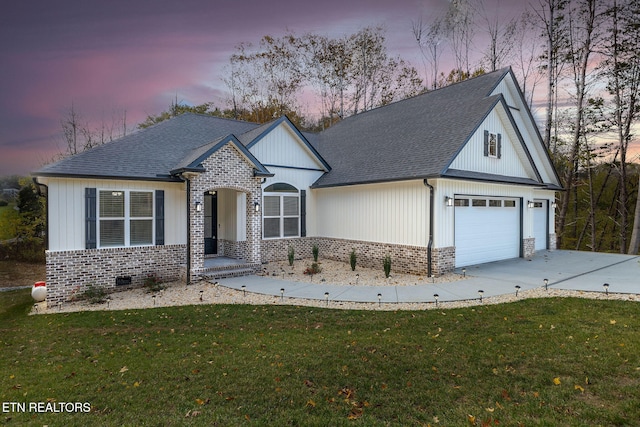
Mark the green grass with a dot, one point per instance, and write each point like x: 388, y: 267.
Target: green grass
x: 282, y: 365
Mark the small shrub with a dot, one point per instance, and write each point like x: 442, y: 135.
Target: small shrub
x: 387, y: 266
x: 291, y: 255
x: 353, y: 259
x: 314, y: 269
x: 315, y: 253
x: 95, y: 294
x: 153, y: 282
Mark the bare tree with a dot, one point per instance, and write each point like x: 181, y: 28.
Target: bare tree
x: 501, y: 34
x: 431, y: 40
x: 460, y: 29
x: 583, y: 21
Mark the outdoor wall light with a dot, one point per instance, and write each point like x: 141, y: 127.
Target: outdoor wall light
x: 606, y: 288
x: 481, y: 293
x: 256, y: 206
x: 198, y: 207
x: 448, y: 201
x: 554, y: 205
x: 530, y: 204
x: 435, y: 297
x: 546, y: 284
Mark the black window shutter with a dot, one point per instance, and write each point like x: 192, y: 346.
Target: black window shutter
x: 90, y: 209
x: 499, y: 147
x: 486, y: 143
x: 159, y: 217
x: 303, y: 213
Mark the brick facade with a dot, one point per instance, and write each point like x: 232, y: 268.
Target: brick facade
x: 70, y: 272
x: 226, y: 169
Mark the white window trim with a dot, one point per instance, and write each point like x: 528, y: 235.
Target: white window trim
x: 127, y: 218
x: 282, y: 216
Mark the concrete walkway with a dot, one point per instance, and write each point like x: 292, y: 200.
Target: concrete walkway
x: 567, y: 270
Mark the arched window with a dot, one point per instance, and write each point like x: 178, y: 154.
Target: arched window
x: 281, y: 211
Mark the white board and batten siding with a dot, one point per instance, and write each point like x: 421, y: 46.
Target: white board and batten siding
x: 283, y: 147
x: 394, y: 213
x: 513, y: 160
x: 507, y: 87
x: 66, y: 199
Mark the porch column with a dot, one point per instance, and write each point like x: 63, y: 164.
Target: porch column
x: 197, y: 230
x: 254, y: 226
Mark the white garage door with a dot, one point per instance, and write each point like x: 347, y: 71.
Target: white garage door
x: 540, y: 224
x: 486, y: 229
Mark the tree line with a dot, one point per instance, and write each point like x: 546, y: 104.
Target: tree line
x: 579, y: 60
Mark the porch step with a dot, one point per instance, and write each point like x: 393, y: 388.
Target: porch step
x: 231, y: 271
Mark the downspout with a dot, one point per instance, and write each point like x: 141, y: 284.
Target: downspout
x: 185, y: 176
x: 44, y: 194
x: 430, y: 244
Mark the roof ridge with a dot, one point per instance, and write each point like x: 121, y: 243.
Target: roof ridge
x: 502, y: 71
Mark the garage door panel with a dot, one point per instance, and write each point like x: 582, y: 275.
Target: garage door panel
x: 484, y: 234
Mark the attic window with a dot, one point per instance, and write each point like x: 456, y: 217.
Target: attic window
x: 492, y: 144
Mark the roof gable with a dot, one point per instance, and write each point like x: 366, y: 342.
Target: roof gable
x: 280, y: 143
x: 193, y: 162
x: 514, y: 159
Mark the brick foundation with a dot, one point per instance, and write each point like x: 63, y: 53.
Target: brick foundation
x: 443, y: 260
x: 528, y: 247
x: 404, y: 258
x: 70, y: 272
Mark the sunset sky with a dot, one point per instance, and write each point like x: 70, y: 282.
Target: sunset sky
x: 108, y: 56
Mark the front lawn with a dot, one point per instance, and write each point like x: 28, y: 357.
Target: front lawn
x: 534, y: 362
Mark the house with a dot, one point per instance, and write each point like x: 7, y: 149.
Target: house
x: 450, y: 178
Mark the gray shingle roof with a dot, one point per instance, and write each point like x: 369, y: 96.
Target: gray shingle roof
x: 410, y: 139
x: 150, y: 153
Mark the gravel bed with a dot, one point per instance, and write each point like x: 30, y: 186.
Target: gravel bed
x: 204, y: 292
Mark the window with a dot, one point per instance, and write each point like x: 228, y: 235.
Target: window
x: 509, y: 203
x: 479, y: 203
x: 495, y: 203
x: 281, y: 211
x: 125, y: 218
x: 492, y: 144
x: 461, y: 202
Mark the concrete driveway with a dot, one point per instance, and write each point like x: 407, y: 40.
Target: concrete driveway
x: 570, y: 270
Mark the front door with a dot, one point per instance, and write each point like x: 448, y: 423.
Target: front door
x: 211, y: 223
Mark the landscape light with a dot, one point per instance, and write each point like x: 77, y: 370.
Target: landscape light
x: 379, y: 299
x: 606, y: 288
x: 326, y: 298
x: 436, y: 296
x: 517, y: 289
x: 108, y: 301
x: 546, y: 284
x: 244, y: 290
x: 281, y: 294
x: 201, y: 292
x: 480, y: 292
x: 464, y: 272
x: 154, y: 299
